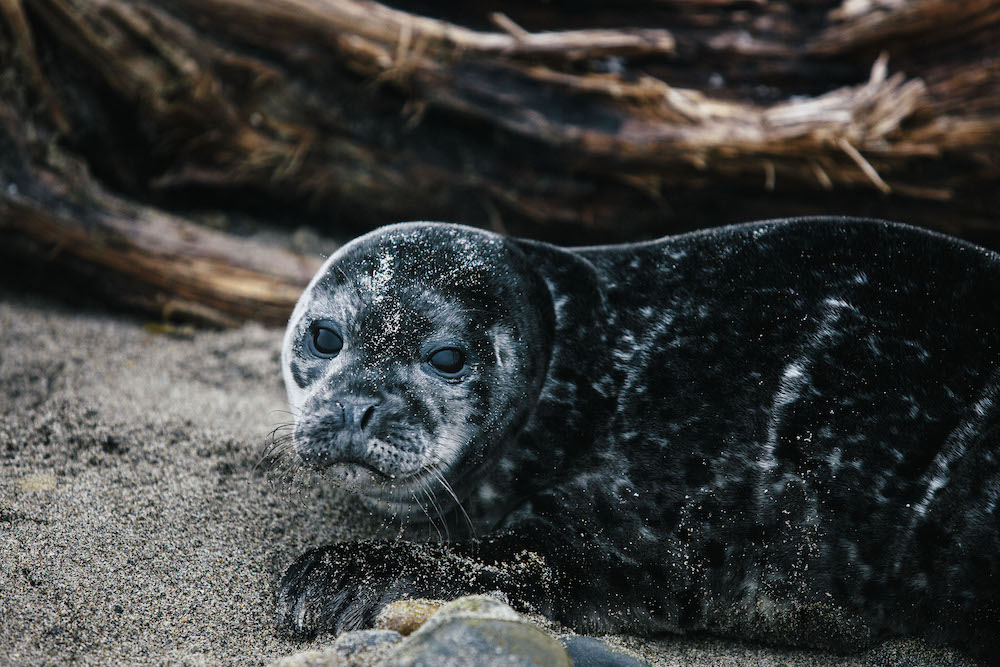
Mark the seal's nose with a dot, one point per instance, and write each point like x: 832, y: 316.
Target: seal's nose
x: 357, y: 413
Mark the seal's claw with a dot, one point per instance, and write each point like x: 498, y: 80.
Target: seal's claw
x: 309, y: 595
x: 333, y: 589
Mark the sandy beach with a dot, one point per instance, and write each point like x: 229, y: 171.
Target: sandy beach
x: 134, y: 526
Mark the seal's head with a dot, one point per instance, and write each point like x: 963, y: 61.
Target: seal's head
x: 417, y: 350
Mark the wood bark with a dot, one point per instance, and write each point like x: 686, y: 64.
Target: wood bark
x: 122, y: 118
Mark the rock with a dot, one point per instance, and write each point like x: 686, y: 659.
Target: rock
x: 478, y: 630
x: 405, y: 616
x: 590, y: 652
x: 476, y: 606
x: 350, y: 648
x: 473, y: 630
x: 324, y: 658
x: 351, y: 643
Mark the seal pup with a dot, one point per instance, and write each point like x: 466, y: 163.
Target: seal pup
x: 786, y: 431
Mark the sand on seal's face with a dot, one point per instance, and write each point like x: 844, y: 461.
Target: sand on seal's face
x: 133, y: 528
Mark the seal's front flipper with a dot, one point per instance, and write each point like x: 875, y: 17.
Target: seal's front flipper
x: 330, y: 589
x: 343, y: 586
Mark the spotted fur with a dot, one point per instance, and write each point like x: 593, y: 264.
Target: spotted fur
x: 786, y: 431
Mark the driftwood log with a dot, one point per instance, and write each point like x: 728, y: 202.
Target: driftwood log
x: 121, y: 121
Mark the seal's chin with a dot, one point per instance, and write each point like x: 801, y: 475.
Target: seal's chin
x: 355, y: 477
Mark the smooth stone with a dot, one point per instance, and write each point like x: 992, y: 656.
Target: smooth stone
x: 475, y: 606
x: 590, y: 652
x: 405, y: 616
x: 478, y: 630
x: 312, y: 658
x: 350, y: 643
x: 350, y: 648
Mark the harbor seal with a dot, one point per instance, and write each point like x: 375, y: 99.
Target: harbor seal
x: 786, y: 431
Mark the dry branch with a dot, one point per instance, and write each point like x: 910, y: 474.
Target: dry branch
x: 340, y: 22
x: 163, y: 265
x: 917, y: 23
x: 527, y: 120
x: 145, y: 257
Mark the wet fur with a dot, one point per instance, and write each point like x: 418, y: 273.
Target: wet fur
x: 785, y: 431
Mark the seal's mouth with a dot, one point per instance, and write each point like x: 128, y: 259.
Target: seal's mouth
x: 364, y: 476
x: 353, y: 468
x: 379, y: 466
x: 357, y: 463
x: 377, y: 458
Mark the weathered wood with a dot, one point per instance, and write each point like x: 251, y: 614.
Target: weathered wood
x: 534, y: 119
x: 162, y: 265
x: 143, y: 257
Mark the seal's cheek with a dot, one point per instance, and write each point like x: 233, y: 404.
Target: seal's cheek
x: 507, y: 387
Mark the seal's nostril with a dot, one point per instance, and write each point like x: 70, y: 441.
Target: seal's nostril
x: 366, y: 417
x: 356, y: 413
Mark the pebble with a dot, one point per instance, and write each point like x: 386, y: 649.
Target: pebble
x: 405, y: 616
x: 478, y: 630
x: 590, y: 652
x: 473, y: 630
x: 350, y: 643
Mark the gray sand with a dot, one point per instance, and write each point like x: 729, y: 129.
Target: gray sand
x: 133, y: 526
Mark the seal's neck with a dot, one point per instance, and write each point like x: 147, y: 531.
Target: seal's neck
x: 577, y: 401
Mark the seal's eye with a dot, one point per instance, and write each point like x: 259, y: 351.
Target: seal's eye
x: 448, y: 361
x: 325, y: 341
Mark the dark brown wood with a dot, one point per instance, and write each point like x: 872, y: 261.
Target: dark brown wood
x: 632, y: 119
x: 162, y: 265
x: 141, y: 256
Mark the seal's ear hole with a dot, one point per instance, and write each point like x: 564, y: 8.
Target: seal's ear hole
x: 448, y: 361
x: 324, y: 341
